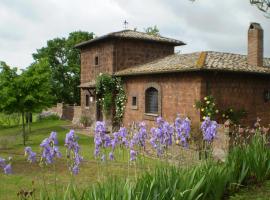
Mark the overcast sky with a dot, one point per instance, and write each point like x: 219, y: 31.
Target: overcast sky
x: 218, y: 25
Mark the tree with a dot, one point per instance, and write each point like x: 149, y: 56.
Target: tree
x: 263, y: 5
x: 152, y: 30
x: 64, y: 62
x: 7, y: 88
x: 28, y: 92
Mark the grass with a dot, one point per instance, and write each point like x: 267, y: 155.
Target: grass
x: 24, y: 173
x: 246, y: 165
x: 53, y: 180
x: 258, y: 192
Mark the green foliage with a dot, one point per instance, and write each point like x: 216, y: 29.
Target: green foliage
x: 8, y: 89
x: 36, y: 86
x: 48, y: 117
x: 111, y: 95
x: 233, y: 115
x: 10, y: 119
x: 105, y: 90
x: 120, y: 100
x: 207, y: 107
x: 25, y: 93
x: 152, y: 30
x: 209, y: 180
x: 251, y: 163
x: 85, y: 121
x: 64, y: 62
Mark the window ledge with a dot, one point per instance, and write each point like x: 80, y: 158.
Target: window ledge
x: 150, y: 116
x: 134, y: 107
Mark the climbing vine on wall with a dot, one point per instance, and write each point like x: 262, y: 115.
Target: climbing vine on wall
x: 111, y: 95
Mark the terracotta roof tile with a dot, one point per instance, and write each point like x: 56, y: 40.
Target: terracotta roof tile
x: 208, y: 60
x: 129, y: 34
x: 176, y: 62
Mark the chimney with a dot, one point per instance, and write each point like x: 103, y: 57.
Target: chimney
x: 255, y: 45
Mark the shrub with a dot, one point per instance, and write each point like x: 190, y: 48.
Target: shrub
x: 85, y: 121
x: 234, y: 115
x: 47, y: 116
x: 10, y: 119
x: 207, y: 107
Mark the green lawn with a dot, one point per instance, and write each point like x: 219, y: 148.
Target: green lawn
x: 56, y: 178
x: 24, y: 173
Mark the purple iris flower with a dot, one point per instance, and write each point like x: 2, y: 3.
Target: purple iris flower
x: 182, y: 128
x: 142, y: 134
x: 53, y: 138
x: 75, y: 169
x: 8, y: 169
x: 103, y: 157
x: 73, y: 149
x: 111, y: 156
x: 31, y: 155
x: 133, y: 155
x: 2, y: 162
x: 161, y: 136
x: 209, y: 129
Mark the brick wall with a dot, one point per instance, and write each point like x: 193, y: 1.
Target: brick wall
x: 104, y: 51
x: 255, y: 45
x: 239, y: 91
x: 115, y: 54
x: 133, y: 52
x: 178, y: 94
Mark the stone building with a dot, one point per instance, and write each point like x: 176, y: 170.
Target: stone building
x: 159, y: 82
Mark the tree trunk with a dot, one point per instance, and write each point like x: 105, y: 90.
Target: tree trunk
x: 28, y: 121
x: 23, y: 126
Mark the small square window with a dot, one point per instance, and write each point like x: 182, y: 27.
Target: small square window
x: 134, y: 101
x: 87, y: 100
x: 96, y: 60
x: 266, y: 95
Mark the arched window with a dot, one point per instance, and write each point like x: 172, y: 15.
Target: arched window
x: 151, y: 100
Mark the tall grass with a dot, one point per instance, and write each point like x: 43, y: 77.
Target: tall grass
x: 207, y: 181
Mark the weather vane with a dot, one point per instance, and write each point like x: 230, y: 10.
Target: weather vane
x: 125, y: 24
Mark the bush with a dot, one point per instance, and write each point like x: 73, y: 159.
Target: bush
x: 85, y: 121
x: 10, y: 119
x: 47, y: 116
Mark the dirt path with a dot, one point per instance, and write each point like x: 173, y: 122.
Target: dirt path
x: 83, y: 131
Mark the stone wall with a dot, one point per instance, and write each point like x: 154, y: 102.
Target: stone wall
x: 67, y: 112
x: 221, y: 144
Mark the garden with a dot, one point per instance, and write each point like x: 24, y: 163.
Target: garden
x: 133, y: 163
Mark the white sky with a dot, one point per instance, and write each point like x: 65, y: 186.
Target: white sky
x: 218, y: 25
